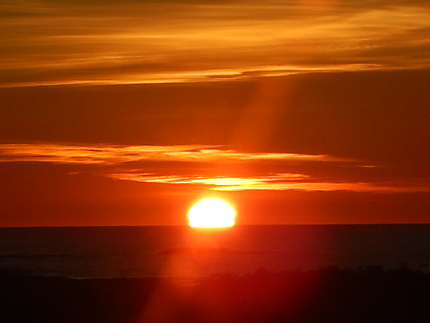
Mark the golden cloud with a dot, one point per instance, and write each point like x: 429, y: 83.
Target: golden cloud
x: 218, y: 183
x: 151, y: 43
x: 278, y: 182
x: 74, y: 154
x: 118, y: 156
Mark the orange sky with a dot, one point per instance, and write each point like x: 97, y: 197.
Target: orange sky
x: 296, y: 112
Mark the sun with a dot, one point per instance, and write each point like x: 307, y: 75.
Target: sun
x: 211, y: 212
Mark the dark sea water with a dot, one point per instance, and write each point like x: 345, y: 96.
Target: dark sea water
x: 159, y: 251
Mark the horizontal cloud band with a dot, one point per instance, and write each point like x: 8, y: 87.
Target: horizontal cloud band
x: 278, y: 182
x: 73, y: 154
x: 119, y: 156
x: 150, y: 42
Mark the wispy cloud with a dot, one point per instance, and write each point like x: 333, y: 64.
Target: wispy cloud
x: 74, y: 154
x: 218, y: 183
x: 164, y: 41
x: 278, y: 182
x: 225, y: 178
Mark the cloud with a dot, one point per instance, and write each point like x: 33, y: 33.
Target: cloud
x: 218, y: 183
x: 125, y: 163
x: 278, y: 182
x: 99, y: 154
x: 180, y: 41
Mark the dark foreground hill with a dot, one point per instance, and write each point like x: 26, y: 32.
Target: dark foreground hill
x: 328, y: 295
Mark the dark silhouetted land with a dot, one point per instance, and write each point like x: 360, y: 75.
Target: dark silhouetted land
x: 328, y: 295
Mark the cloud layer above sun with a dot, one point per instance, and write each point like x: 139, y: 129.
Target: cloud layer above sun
x: 104, y: 42
x: 69, y: 154
x: 215, y: 167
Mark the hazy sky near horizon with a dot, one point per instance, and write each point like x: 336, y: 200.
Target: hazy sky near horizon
x: 295, y: 111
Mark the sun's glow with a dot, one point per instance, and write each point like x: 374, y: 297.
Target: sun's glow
x: 211, y: 213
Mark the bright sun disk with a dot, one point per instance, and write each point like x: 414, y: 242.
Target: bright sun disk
x: 211, y: 213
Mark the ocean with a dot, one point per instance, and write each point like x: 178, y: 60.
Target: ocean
x: 182, y: 252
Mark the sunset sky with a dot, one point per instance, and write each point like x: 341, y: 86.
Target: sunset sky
x: 126, y: 113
